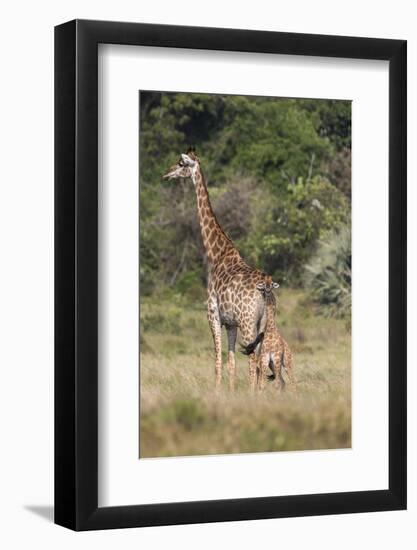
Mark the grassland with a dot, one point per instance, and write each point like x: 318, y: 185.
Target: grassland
x: 181, y: 414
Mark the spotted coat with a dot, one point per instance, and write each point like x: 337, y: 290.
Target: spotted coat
x: 233, y: 299
x: 274, y: 351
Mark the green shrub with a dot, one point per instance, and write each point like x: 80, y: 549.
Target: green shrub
x: 286, y: 229
x: 329, y: 272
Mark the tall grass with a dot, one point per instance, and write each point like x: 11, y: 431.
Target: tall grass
x: 181, y: 414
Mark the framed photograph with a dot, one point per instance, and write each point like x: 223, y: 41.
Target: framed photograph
x: 230, y: 284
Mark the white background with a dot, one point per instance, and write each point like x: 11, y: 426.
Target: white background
x: 26, y: 301
x: 123, y: 479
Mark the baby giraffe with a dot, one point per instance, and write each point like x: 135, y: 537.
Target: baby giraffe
x: 274, y: 351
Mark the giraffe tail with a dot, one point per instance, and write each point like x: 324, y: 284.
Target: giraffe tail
x: 250, y: 348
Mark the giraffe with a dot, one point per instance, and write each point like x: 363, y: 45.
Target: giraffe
x: 274, y: 352
x: 233, y: 298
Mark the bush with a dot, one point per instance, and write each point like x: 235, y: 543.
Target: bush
x: 329, y: 274
x: 287, y: 226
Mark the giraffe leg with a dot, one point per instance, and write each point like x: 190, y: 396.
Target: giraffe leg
x: 216, y: 330
x: 253, y: 372
x: 277, y: 364
x: 249, y: 334
x: 231, y: 364
x: 288, y: 365
x: 263, y: 367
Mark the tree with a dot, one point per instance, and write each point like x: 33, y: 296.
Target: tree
x: 278, y: 172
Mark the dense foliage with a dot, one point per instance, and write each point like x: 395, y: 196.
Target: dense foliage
x: 278, y: 172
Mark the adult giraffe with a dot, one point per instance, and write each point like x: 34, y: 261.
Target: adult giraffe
x: 233, y: 297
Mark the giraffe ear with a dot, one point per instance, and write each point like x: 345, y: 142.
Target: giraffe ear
x: 188, y: 161
x: 260, y: 286
x: 275, y: 285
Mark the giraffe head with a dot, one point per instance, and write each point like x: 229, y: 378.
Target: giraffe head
x: 267, y: 286
x: 185, y: 167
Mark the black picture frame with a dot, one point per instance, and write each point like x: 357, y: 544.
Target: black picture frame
x: 76, y: 272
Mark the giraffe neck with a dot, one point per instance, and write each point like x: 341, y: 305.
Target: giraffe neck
x: 270, y: 314
x: 215, y: 240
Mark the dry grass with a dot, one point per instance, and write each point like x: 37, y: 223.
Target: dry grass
x: 182, y: 415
